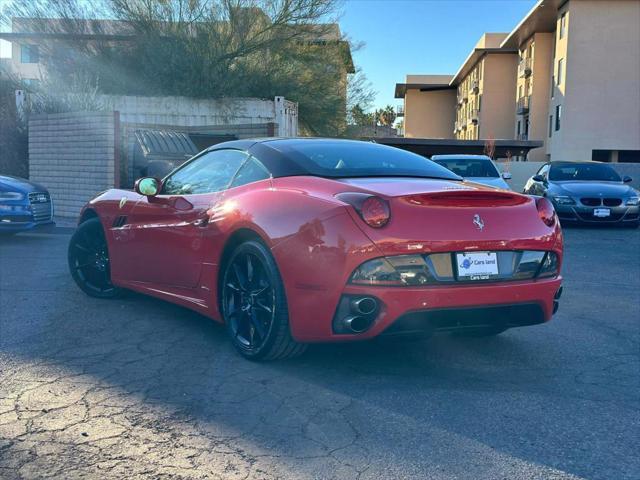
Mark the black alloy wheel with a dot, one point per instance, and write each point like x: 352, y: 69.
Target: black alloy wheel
x: 254, y: 305
x: 89, y: 264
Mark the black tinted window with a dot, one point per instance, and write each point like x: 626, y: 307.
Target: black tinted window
x: 208, y: 173
x: 583, y: 172
x: 469, y: 167
x: 251, y: 171
x: 341, y: 159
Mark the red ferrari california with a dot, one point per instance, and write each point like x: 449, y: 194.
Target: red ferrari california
x: 294, y: 241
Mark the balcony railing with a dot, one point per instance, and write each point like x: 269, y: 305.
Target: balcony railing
x: 523, y: 105
x: 400, y: 110
x: 474, y: 116
x: 524, y: 67
x: 522, y: 136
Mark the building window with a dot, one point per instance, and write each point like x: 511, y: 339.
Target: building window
x: 560, y: 70
x: 563, y: 24
x: 558, y: 115
x: 519, y: 129
x: 29, y: 54
x: 550, y: 125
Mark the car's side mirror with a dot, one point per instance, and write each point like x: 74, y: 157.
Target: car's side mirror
x: 148, y: 186
x: 506, y: 175
x: 538, y: 178
x: 627, y: 179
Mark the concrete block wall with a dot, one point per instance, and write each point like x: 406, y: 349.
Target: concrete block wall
x: 73, y: 156
x: 188, y: 112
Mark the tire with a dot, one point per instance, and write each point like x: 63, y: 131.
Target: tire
x: 88, y: 258
x: 480, y: 332
x: 254, y: 305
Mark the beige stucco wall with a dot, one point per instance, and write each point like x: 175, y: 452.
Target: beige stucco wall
x: 34, y: 71
x: 538, y: 87
x: 497, y: 113
x: 601, y: 94
x: 429, y: 114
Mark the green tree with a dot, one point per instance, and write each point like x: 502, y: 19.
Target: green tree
x: 205, y: 48
x: 386, y: 116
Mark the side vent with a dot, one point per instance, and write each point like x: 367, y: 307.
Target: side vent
x: 119, y: 221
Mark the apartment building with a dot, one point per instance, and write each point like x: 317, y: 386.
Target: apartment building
x: 429, y: 107
x: 42, y: 45
x: 575, y: 85
x: 485, y: 91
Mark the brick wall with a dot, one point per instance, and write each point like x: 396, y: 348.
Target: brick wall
x: 73, y: 156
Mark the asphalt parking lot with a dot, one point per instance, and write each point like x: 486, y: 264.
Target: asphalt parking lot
x: 138, y: 388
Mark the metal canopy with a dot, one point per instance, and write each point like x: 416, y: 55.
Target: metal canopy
x: 428, y: 147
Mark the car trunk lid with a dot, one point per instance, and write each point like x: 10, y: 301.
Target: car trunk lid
x: 429, y: 215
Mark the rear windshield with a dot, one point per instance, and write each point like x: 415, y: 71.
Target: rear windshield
x: 583, y: 172
x: 469, y: 167
x: 343, y: 159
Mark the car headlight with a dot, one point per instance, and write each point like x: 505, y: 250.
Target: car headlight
x: 633, y: 201
x: 11, y: 196
x: 563, y: 200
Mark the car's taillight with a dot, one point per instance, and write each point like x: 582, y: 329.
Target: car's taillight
x: 373, y: 210
x: 546, y: 211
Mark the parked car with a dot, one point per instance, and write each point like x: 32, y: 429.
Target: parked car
x: 23, y: 205
x: 293, y: 241
x: 475, y: 168
x: 587, y: 192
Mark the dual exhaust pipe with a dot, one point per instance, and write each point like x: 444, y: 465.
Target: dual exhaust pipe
x: 363, y: 311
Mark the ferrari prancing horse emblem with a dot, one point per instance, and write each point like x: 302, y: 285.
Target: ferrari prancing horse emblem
x: 123, y: 200
x: 477, y: 221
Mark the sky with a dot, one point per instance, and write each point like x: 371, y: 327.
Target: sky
x: 421, y: 36
x: 416, y: 36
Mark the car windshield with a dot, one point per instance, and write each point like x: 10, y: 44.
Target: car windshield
x: 583, y: 172
x: 469, y: 167
x: 343, y: 159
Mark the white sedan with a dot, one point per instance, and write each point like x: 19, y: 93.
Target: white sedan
x: 475, y: 168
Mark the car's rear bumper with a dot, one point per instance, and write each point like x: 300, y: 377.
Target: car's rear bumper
x: 585, y: 215
x: 504, y: 304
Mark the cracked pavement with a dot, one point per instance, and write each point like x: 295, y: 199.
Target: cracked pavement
x: 138, y: 388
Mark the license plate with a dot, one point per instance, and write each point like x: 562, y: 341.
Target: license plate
x: 601, y: 212
x: 477, y: 265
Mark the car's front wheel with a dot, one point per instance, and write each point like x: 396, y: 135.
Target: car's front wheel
x: 254, y: 305
x: 89, y: 264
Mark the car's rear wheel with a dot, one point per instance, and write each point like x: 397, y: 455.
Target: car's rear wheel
x: 88, y: 257
x: 254, y: 305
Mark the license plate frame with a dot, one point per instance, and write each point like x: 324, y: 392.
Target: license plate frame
x: 476, y: 266
x: 601, y: 212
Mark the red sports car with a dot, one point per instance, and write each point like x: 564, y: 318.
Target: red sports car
x: 293, y: 241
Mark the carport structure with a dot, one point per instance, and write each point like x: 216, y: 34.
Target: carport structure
x: 428, y: 146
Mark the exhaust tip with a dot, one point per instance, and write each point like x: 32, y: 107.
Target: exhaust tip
x: 364, y: 305
x: 357, y: 324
